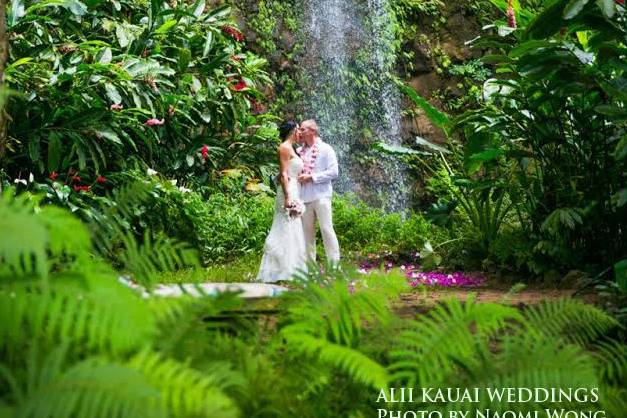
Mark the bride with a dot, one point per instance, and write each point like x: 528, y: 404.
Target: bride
x: 284, y: 249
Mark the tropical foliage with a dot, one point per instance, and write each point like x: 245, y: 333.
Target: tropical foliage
x: 545, y: 153
x: 99, y: 85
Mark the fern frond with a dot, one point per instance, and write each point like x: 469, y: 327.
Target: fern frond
x: 94, y: 389
x: 572, y: 319
x: 525, y: 360
x: 350, y: 361
x: 145, y: 261
x: 24, y: 237
x: 453, y: 332
x: 94, y: 311
x: 185, y: 391
x: 611, y: 357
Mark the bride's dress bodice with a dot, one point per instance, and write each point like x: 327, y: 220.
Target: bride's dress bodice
x: 295, y: 166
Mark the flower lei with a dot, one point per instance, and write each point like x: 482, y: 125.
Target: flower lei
x: 310, y: 159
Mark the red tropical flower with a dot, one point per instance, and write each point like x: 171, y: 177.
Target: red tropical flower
x: 75, y: 178
x: 78, y: 188
x: 101, y: 180
x: 511, y: 15
x: 53, y: 176
x: 241, y: 85
x: 204, y: 151
x: 232, y: 32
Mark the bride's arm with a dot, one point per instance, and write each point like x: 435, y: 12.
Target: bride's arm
x: 284, y: 178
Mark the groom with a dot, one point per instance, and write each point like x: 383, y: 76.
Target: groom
x: 319, y: 169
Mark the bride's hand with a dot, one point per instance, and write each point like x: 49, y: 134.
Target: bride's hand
x: 287, y: 203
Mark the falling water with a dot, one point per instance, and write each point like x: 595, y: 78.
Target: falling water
x: 348, y: 58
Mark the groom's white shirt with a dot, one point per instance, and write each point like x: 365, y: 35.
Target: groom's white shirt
x: 325, y: 170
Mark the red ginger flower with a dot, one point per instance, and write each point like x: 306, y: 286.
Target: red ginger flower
x: 78, y: 188
x: 75, y: 178
x: 241, y: 85
x: 232, y: 32
x: 101, y: 180
x: 53, y: 176
x: 511, y: 15
x: 204, y: 151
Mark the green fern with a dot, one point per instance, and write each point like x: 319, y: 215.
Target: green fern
x: 350, y: 361
x: 185, y: 391
x: 454, y: 332
x: 111, y: 225
x: 95, y: 312
x: 572, y: 319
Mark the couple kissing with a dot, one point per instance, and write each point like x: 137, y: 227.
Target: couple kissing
x: 303, y: 196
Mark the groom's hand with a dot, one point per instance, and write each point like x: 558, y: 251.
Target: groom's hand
x: 305, y: 178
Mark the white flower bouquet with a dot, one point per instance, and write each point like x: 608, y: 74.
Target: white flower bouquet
x: 296, y: 209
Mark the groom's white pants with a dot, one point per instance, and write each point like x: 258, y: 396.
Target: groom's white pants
x: 320, y: 209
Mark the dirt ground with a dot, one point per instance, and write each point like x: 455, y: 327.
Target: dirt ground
x: 421, y: 301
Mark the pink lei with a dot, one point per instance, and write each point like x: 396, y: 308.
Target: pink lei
x: 310, y: 159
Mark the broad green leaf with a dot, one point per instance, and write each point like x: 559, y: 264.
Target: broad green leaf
x: 123, y: 35
x: 112, y: 93
x: 608, y: 7
x: 208, y: 43
x: 185, y: 56
x: 397, y: 149
x: 434, y: 147
x: 573, y: 8
x: 620, y: 270
x: 54, y: 151
x: 110, y: 135
x: 16, y: 12
x: 167, y: 25
x: 105, y: 56
x: 199, y: 8
x: 19, y: 62
x: 487, y: 155
x: 440, y: 119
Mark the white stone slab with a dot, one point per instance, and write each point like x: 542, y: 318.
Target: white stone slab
x: 248, y: 290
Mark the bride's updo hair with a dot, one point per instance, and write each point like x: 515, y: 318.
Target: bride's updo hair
x: 286, y: 129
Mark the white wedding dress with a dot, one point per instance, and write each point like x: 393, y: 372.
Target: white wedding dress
x: 284, y: 250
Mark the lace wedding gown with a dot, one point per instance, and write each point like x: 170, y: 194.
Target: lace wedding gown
x: 284, y: 250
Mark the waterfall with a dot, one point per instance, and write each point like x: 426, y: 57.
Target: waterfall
x: 348, y: 58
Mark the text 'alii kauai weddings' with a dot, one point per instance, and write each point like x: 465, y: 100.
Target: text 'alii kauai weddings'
x: 489, y: 403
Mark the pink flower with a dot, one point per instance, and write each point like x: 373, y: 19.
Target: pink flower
x: 116, y: 106
x: 511, y: 16
x: 154, y: 122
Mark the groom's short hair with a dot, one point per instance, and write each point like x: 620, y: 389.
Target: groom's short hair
x: 312, y: 123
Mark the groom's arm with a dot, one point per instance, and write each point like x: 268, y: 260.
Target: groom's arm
x: 331, y: 170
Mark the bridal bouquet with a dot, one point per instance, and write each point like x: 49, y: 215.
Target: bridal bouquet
x: 296, y: 209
